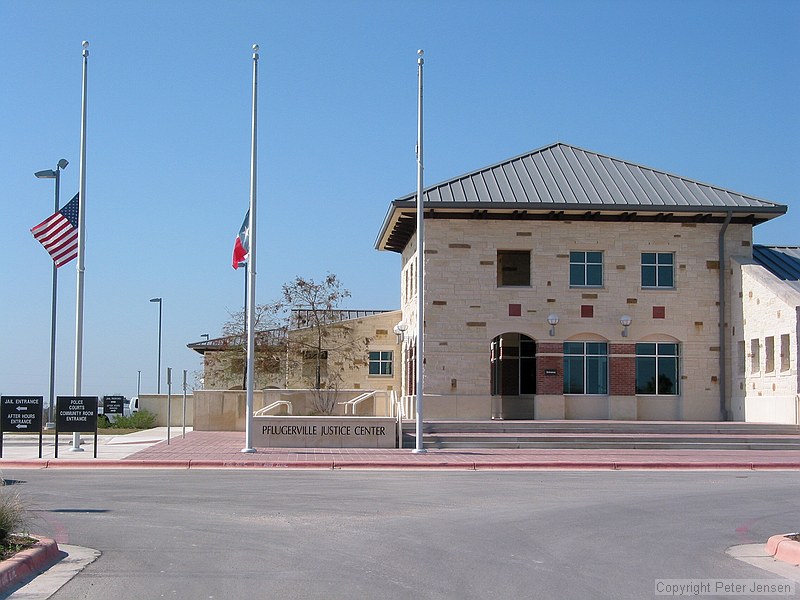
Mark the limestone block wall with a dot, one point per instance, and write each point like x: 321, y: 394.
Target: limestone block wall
x: 224, y: 369
x: 766, y: 380
x: 465, y: 309
x: 157, y: 404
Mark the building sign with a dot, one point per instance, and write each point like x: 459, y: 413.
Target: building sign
x: 550, y: 372
x: 113, y: 405
x: 21, y: 414
x: 324, y: 432
x: 76, y: 413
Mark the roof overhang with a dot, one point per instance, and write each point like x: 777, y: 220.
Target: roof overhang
x: 399, y: 225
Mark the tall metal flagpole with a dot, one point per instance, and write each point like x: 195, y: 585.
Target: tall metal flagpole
x: 251, y: 266
x: 420, y: 266
x: 76, y: 436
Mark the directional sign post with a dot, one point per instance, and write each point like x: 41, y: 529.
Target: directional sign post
x: 21, y: 414
x: 113, y: 405
x: 76, y: 414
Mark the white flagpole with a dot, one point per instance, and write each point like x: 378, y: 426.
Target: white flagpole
x: 251, y: 266
x: 420, y: 266
x: 76, y: 437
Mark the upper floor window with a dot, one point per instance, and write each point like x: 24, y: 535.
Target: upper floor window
x: 657, y: 368
x: 586, y: 269
x: 380, y: 363
x: 658, y: 269
x: 513, y: 268
x: 585, y: 368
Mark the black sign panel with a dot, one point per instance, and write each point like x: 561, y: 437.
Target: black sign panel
x: 76, y: 414
x: 113, y: 405
x: 22, y: 414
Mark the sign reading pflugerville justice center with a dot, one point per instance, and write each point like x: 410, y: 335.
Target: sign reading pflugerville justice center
x: 324, y: 432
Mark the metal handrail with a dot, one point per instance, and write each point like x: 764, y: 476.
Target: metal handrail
x: 357, y: 400
x: 263, y: 411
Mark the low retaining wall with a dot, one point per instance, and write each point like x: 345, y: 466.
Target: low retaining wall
x: 324, y: 432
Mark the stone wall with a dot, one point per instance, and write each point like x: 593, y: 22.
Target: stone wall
x: 766, y: 379
x: 465, y: 310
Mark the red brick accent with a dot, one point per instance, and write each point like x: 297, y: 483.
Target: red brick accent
x: 659, y: 312
x: 622, y: 376
x: 515, y: 310
x: 549, y: 348
x: 621, y: 348
x: 587, y: 311
x: 550, y: 384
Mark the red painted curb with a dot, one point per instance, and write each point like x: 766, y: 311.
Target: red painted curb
x: 782, y: 548
x: 429, y: 462
x: 40, y: 557
x: 241, y: 464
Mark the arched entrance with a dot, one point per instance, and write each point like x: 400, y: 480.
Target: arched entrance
x: 513, y: 376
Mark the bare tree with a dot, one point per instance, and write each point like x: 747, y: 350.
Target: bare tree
x: 319, y: 333
x: 270, y: 337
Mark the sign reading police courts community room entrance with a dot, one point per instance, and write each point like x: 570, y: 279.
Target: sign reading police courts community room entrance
x: 21, y: 414
x: 324, y: 432
x: 76, y: 414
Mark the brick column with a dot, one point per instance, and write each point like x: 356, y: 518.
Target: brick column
x: 622, y: 369
x: 549, y: 358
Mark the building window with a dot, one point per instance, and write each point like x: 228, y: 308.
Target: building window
x: 380, y: 363
x: 769, y: 358
x: 755, y: 356
x: 513, y: 268
x: 785, y: 364
x: 586, y: 269
x: 657, y: 369
x: 585, y: 368
x: 658, y: 270
x: 741, y: 358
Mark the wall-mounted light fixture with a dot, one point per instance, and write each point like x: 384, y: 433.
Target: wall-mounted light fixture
x: 552, y: 318
x: 400, y: 331
x: 625, y: 321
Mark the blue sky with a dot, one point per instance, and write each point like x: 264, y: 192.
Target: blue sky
x: 702, y: 89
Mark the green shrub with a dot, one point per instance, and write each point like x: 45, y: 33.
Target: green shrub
x: 143, y: 419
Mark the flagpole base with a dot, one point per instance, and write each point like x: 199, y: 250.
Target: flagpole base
x: 247, y: 450
x: 419, y: 451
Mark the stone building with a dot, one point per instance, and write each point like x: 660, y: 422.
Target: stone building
x: 284, y: 360
x: 564, y: 284
x: 766, y: 380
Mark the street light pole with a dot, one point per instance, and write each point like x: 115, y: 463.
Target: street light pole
x: 53, y: 174
x: 159, y: 341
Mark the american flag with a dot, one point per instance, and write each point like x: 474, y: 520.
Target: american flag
x: 59, y: 233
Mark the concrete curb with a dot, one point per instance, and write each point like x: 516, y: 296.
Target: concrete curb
x: 782, y: 548
x: 39, y: 558
x: 433, y: 462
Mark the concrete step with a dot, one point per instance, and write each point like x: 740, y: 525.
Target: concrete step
x: 600, y: 445
x: 623, y: 427
x: 605, y: 435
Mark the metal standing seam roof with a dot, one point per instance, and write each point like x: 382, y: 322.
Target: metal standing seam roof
x: 781, y: 261
x: 561, y: 177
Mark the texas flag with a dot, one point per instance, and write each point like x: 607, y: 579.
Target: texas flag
x: 241, y: 247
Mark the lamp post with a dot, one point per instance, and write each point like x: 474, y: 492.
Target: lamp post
x: 158, y: 390
x: 53, y: 174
